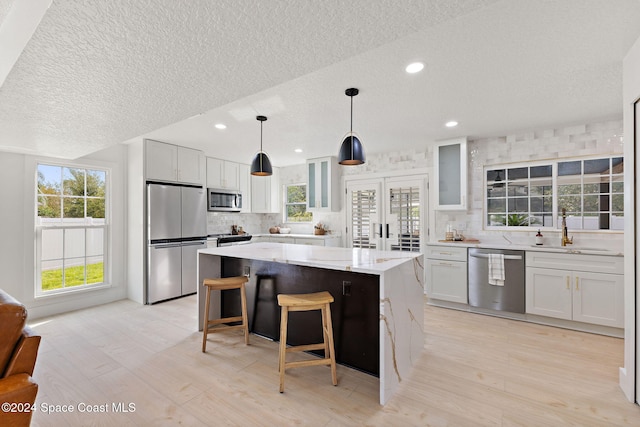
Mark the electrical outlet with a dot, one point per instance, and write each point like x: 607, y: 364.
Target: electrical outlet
x: 346, y: 288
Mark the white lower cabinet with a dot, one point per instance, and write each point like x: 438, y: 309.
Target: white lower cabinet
x: 447, y: 273
x: 579, y: 292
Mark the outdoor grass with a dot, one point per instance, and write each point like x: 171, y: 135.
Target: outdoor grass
x: 52, y: 279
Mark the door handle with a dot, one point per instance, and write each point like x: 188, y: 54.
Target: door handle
x: 387, y: 230
x: 379, y: 230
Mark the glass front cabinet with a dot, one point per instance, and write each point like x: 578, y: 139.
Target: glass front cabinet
x: 450, y: 159
x: 323, y: 188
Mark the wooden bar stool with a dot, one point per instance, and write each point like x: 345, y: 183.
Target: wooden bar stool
x: 306, y: 302
x: 223, y: 284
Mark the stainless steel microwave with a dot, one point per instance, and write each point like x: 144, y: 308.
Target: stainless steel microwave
x: 223, y: 200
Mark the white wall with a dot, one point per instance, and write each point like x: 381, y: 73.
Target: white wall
x: 17, y: 244
x: 631, y: 92
x: 12, y: 221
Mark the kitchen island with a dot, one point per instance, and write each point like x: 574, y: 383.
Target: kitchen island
x: 378, y: 313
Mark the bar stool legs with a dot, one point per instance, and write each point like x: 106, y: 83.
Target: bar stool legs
x: 306, y: 302
x: 223, y: 284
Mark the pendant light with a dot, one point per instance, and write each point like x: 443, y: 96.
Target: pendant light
x: 351, y: 151
x: 261, y: 165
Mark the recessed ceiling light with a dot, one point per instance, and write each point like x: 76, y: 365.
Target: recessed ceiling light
x: 221, y: 126
x: 451, y: 124
x: 414, y: 67
x: 298, y: 150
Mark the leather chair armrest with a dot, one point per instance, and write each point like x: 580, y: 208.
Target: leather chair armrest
x: 19, y: 389
x: 24, y: 356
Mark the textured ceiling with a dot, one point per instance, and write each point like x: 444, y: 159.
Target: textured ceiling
x: 100, y: 73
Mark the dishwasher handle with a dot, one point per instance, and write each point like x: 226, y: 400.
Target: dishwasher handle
x: 506, y: 257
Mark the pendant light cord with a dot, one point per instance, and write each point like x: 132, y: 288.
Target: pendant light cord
x: 351, y: 130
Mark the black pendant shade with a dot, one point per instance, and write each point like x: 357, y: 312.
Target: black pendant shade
x: 351, y: 150
x: 261, y: 165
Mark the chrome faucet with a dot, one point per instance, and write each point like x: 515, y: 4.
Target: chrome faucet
x: 565, y: 235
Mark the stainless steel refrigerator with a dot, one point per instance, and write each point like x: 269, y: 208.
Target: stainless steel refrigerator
x: 176, y: 229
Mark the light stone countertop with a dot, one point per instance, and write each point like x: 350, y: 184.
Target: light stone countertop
x: 292, y: 235
x: 334, y: 258
x: 569, y: 249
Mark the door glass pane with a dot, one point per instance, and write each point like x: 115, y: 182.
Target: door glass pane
x: 363, y: 208
x: 404, y: 206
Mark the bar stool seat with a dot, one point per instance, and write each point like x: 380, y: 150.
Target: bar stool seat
x: 306, y: 302
x: 224, y: 284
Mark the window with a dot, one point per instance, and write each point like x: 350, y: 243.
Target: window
x: 520, y: 196
x: 591, y: 191
x: 71, y: 227
x: 295, y: 206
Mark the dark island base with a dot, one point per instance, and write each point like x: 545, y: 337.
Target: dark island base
x: 355, y: 312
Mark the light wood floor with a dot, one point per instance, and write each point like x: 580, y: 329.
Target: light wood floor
x: 474, y: 371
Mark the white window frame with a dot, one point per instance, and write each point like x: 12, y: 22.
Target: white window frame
x: 554, y: 175
x: 85, y: 224
x: 285, y: 203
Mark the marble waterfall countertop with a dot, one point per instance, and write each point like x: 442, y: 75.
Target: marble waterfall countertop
x: 399, y: 302
x: 357, y: 260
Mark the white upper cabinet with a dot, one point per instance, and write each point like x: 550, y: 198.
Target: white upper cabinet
x: 244, y: 184
x: 323, y: 184
x: 222, y: 174
x: 451, y: 174
x: 172, y: 163
x: 191, y: 166
x: 265, y: 193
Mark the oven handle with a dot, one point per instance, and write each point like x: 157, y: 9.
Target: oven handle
x: 506, y: 257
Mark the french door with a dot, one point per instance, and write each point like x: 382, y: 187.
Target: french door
x: 387, y: 213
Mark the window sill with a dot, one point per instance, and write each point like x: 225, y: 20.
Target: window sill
x: 71, y: 291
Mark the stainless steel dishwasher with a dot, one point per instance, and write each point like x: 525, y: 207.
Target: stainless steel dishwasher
x: 510, y: 297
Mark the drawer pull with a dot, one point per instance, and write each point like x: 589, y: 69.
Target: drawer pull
x: 446, y: 253
x: 568, y: 286
x: 577, y: 283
